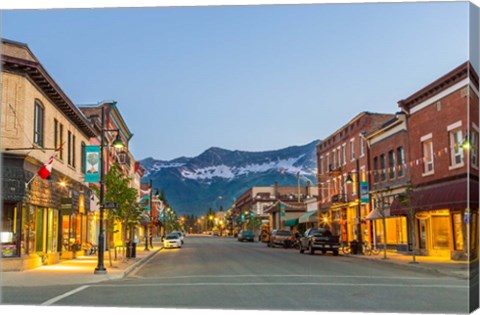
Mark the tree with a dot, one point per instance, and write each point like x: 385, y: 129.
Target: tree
x: 129, y: 211
x: 382, y: 206
x: 410, y: 201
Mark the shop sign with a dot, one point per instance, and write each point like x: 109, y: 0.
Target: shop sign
x: 282, y: 210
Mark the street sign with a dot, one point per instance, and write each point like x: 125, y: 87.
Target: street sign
x: 110, y: 205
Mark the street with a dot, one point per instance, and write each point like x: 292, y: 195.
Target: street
x: 222, y: 273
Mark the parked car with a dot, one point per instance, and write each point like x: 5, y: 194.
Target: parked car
x: 278, y: 237
x: 172, y: 240
x: 319, y: 239
x: 180, y: 235
x: 246, y: 235
x: 215, y: 233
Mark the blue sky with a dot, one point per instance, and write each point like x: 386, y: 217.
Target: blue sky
x: 249, y: 78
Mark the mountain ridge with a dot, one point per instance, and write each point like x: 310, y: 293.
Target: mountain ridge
x: 215, y: 177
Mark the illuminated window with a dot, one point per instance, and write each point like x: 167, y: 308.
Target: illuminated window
x: 391, y: 164
x: 456, y: 150
x: 401, y: 161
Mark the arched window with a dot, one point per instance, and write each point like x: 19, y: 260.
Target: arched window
x: 38, y: 123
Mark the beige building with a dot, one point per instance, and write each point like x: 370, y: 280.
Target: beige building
x: 42, y: 219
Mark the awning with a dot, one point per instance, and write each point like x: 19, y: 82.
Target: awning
x: 291, y: 222
x: 374, y: 215
x: 458, y: 194
x: 309, y: 217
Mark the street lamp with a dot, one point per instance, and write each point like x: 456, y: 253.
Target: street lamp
x: 349, y: 180
x: 118, y: 144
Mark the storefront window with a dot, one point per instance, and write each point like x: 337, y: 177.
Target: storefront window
x: 8, y: 232
x: 458, y: 231
x: 28, y: 229
x: 440, y: 226
x: 52, y: 228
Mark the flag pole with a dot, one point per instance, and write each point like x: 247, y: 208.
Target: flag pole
x: 28, y: 183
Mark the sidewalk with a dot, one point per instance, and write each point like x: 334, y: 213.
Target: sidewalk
x: 436, y: 265
x: 79, y: 270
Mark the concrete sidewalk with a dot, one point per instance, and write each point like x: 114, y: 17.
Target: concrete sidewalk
x: 79, y: 270
x: 435, y: 265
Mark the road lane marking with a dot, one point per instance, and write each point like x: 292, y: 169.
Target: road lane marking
x: 61, y: 297
x: 287, y: 284
x: 310, y: 276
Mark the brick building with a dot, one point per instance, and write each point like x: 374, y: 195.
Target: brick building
x: 41, y: 219
x: 389, y: 176
x: 341, y: 155
x: 444, y: 172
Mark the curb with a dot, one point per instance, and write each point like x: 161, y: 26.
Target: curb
x: 140, y: 263
x: 409, y: 266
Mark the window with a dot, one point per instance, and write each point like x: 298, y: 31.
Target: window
x: 362, y: 146
x: 69, y: 148
x: 61, y: 140
x: 401, y: 161
x: 391, y: 164
x: 322, y: 170
x: 344, y: 153
x: 329, y: 166
x: 474, y: 149
x: 383, y: 166
x: 339, y: 152
x: 352, y: 150
x: 427, y: 147
x: 82, y: 158
x: 456, y: 150
x: 55, y: 133
x: 73, y: 151
x: 375, y: 169
x: 334, y: 160
x: 38, y: 123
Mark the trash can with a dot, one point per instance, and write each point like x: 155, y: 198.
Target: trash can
x: 354, y: 247
x: 131, y: 249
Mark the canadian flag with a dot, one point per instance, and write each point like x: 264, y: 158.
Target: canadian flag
x: 45, y: 171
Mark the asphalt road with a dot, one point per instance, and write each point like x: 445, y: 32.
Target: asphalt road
x: 222, y: 273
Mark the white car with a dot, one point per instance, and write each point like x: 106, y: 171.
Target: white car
x: 172, y: 240
x: 180, y: 234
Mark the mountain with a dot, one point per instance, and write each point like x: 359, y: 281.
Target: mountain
x: 217, y: 176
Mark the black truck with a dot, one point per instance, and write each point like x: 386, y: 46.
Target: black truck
x: 319, y: 239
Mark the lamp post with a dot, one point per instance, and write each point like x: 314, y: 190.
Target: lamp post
x: 349, y: 180
x: 100, y: 269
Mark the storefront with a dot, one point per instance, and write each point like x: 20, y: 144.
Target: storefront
x: 34, y: 224
x: 443, y: 221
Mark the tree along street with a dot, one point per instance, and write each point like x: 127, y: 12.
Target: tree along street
x: 222, y: 273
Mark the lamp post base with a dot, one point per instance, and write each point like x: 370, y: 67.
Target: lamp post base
x: 100, y: 271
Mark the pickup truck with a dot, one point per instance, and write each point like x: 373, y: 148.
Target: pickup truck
x: 319, y: 239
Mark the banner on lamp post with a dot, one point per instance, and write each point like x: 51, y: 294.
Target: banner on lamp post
x: 364, y: 192
x: 92, y: 164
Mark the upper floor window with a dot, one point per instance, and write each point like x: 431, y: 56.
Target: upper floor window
x: 334, y: 159
x: 391, y: 164
x: 474, y: 149
x: 383, y: 166
x: 352, y: 149
x: 456, y: 139
x: 375, y: 169
x: 344, y: 153
x: 401, y: 161
x: 427, y: 154
x: 38, y: 123
x: 322, y: 170
x: 339, y: 152
x: 362, y: 146
x: 82, y: 157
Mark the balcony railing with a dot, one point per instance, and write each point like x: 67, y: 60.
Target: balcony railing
x: 339, y: 198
